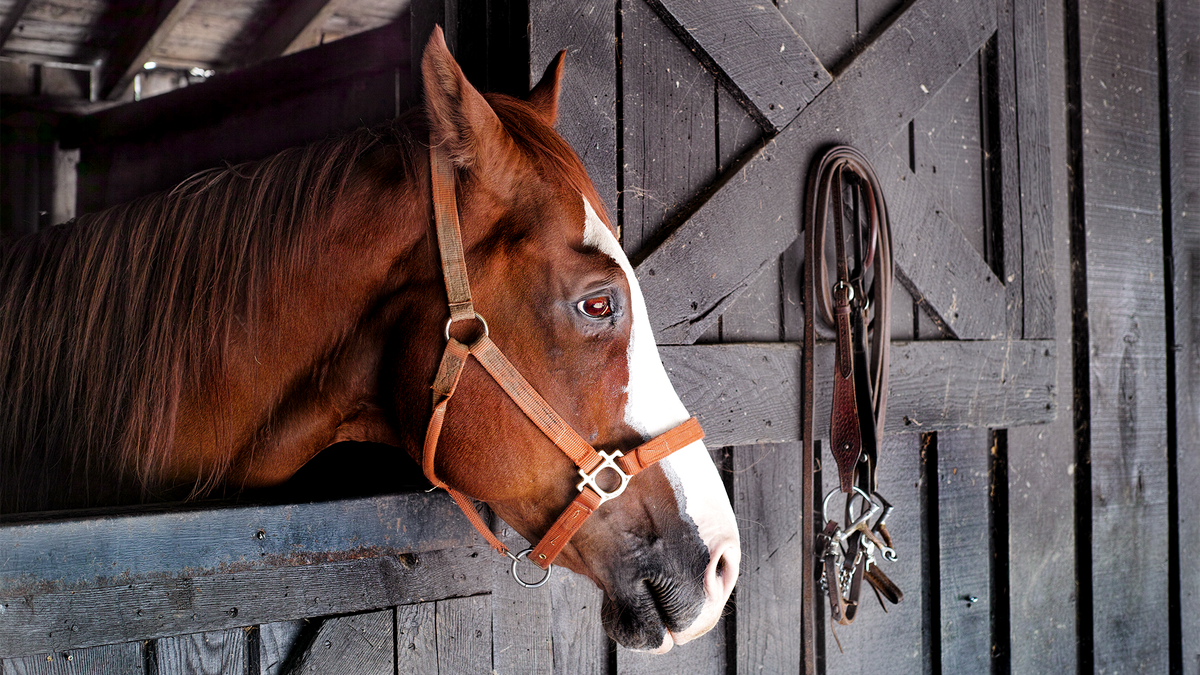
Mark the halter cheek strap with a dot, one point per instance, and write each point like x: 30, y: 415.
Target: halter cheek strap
x: 590, y: 461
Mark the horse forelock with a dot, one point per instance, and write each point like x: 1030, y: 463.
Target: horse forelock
x: 105, y: 320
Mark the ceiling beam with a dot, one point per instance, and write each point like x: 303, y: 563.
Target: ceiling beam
x: 298, y: 27
x: 10, y: 22
x: 140, y: 38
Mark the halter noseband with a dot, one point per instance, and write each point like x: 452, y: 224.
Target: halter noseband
x: 590, y: 461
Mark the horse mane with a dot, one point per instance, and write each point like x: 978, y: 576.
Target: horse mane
x: 108, y: 318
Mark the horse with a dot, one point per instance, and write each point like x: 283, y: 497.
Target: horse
x: 216, y: 337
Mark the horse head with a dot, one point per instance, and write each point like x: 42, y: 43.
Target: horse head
x: 563, y: 304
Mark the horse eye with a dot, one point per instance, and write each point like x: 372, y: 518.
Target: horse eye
x: 596, y: 308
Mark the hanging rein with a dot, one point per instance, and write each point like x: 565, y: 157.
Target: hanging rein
x: 845, y: 554
x: 591, y: 462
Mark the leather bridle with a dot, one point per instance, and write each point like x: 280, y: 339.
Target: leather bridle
x: 846, y: 554
x: 591, y: 462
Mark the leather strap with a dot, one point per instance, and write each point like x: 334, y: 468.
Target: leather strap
x: 454, y: 360
x: 860, y: 378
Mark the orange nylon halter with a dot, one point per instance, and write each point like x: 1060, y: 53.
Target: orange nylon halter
x: 589, y: 460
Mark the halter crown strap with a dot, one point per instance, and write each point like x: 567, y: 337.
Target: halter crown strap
x: 454, y: 359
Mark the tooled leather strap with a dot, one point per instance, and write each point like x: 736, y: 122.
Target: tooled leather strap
x: 454, y: 360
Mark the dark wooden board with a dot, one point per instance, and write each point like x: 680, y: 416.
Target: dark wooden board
x: 587, y: 106
x: 464, y: 635
x: 688, y: 280
x: 124, y: 658
x: 167, y: 606
x: 964, y: 550
x: 669, y: 126
x: 580, y: 645
x: 767, y: 498
x: 829, y: 28
x: 208, y: 653
x: 276, y: 642
x: 522, y: 618
x: 746, y: 394
x: 58, y: 555
x: 1182, y: 26
x: 1041, y: 460
x: 1127, y: 351
x: 703, y: 656
x: 416, y: 639
x: 359, y: 643
x: 895, y: 641
x: 755, y: 52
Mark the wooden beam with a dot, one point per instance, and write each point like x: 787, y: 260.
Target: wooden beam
x: 690, y: 278
x: 297, y: 27
x: 754, y: 53
x: 11, y: 19
x: 359, y: 643
x: 119, y: 577
x: 138, y: 42
x: 750, y: 393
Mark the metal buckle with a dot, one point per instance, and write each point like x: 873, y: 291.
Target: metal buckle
x: 589, y: 479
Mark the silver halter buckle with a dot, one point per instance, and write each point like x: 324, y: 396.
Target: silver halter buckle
x: 589, y: 479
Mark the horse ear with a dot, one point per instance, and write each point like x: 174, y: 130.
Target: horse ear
x: 544, y: 96
x: 460, y: 120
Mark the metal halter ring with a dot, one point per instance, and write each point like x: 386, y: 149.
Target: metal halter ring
x: 536, y: 584
x: 848, y: 287
x: 446, y: 330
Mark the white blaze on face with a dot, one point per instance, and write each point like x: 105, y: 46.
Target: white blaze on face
x: 652, y: 408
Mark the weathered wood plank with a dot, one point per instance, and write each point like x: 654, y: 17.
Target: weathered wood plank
x: 416, y: 639
x: 160, y: 607
x: 669, y: 127
x: 1043, y: 600
x: 297, y: 27
x: 464, y: 635
x: 522, y: 618
x: 685, y: 285
x: 14, y: 14
x: 703, y: 656
x: 935, y: 260
x: 123, y: 658
x: 767, y: 499
x: 580, y: 645
x: 359, y: 643
x: 208, y: 653
x: 1127, y: 351
x: 964, y: 547
x: 829, y: 28
x: 754, y: 51
x: 746, y: 394
x: 895, y: 641
x: 140, y: 37
x: 1037, y: 259
x: 49, y: 556
x: 587, y: 106
x: 276, y: 641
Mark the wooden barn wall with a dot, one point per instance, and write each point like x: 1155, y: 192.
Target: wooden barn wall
x: 1056, y: 547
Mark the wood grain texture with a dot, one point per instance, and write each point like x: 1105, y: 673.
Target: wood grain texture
x: 159, y: 607
x: 760, y: 59
x: 522, y: 618
x: 416, y: 639
x: 1043, y: 599
x: 208, y: 653
x: 964, y: 547
x: 464, y: 635
x: 1033, y: 131
x: 276, y: 641
x: 131, y: 546
x: 297, y: 27
x: 830, y: 29
x: 684, y: 279
x: 580, y: 644
x: 703, y: 656
x: 359, y: 643
x: 895, y: 641
x: 669, y: 127
x: 767, y: 499
x: 1127, y: 350
x: 587, y: 106
x: 123, y: 659
x: 1182, y: 23
x: 745, y: 394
